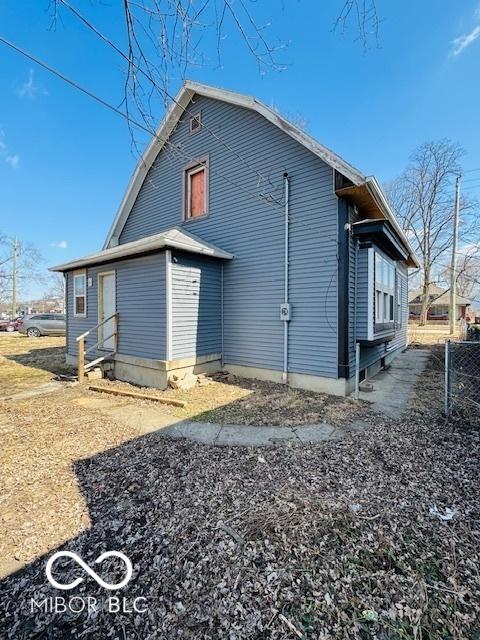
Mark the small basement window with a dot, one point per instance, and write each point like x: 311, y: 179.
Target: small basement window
x: 195, y: 123
x: 196, y: 185
x: 80, y: 294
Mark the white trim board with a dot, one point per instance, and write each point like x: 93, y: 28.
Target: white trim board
x: 168, y: 305
x: 371, y: 291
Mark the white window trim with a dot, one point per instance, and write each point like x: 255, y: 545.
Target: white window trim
x: 101, y: 330
x: 371, y: 291
x: 202, y: 164
x: 190, y: 173
x: 384, y: 289
x: 76, y: 274
x: 398, y: 294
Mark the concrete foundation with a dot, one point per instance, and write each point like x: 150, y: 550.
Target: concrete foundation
x: 156, y: 373
x: 147, y: 372
x: 336, y: 387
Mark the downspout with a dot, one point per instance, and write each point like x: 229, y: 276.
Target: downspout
x: 286, y: 275
x: 222, y: 362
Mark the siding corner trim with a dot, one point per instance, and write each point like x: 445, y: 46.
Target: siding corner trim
x: 168, y: 305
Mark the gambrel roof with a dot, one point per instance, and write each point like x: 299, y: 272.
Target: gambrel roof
x: 358, y: 183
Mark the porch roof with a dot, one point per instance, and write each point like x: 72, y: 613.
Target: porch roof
x: 172, y: 239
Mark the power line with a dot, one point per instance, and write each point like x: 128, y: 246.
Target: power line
x: 125, y: 116
x: 162, y: 90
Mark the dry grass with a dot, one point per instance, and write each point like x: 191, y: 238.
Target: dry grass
x: 28, y: 362
x: 253, y: 402
x: 428, y: 334
x: 336, y: 539
x: 41, y: 438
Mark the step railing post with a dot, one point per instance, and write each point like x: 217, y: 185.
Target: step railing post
x: 81, y: 359
x: 115, y: 331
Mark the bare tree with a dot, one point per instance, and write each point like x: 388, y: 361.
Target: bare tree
x: 467, y: 272
x: 57, y: 288
x: 423, y: 198
x: 27, y: 271
x: 364, y: 15
x: 165, y: 39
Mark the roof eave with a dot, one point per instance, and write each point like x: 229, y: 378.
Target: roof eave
x: 377, y: 193
x: 143, y: 246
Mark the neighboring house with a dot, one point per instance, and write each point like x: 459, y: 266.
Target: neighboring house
x: 243, y: 243
x: 439, y: 304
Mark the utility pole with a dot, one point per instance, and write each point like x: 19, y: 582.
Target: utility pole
x: 14, y: 278
x: 453, y: 264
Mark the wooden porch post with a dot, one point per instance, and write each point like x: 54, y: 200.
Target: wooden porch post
x: 81, y: 359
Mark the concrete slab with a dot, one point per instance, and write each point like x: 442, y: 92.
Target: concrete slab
x: 393, y: 387
x: 145, y: 419
x: 250, y: 436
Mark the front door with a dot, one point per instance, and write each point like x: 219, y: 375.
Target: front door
x: 106, y: 308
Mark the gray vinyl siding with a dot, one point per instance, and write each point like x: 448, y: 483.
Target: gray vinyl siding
x: 141, y: 305
x: 364, y: 296
x: 196, y: 306
x: 246, y: 218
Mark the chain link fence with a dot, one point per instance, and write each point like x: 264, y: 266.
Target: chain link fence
x: 462, y: 377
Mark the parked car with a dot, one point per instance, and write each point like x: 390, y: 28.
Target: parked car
x: 4, y: 324
x: 43, y: 324
x: 10, y: 325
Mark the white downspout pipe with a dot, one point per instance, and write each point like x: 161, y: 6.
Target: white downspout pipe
x: 286, y: 275
x: 222, y: 362
x: 357, y: 370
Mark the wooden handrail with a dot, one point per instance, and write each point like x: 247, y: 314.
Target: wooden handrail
x: 112, y: 335
x: 81, y: 344
x: 87, y: 333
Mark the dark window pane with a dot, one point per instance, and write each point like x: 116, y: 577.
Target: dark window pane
x: 80, y: 304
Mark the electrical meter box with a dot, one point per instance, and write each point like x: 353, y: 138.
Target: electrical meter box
x: 285, y: 311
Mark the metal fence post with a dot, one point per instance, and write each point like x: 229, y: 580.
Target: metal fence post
x: 447, y: 377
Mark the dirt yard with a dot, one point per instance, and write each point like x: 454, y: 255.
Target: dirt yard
x: 25, y: 362
x: 374, y: 536
x: 253, y: 402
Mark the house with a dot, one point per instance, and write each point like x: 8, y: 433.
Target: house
x: 242, y: 243
x: 439, y: 304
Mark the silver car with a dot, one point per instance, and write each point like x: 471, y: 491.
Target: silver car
x: 43, y: 324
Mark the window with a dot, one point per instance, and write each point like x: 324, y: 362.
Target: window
x: 196, y: 123
x: 384, y: 291
x: 80, y: 294
x: 196, y: 186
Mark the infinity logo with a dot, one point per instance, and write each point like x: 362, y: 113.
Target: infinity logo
x: 86, y: 568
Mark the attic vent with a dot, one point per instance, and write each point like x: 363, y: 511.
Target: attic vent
x: 196, y: 123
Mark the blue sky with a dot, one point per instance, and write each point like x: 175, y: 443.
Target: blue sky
x: 65, y: 161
